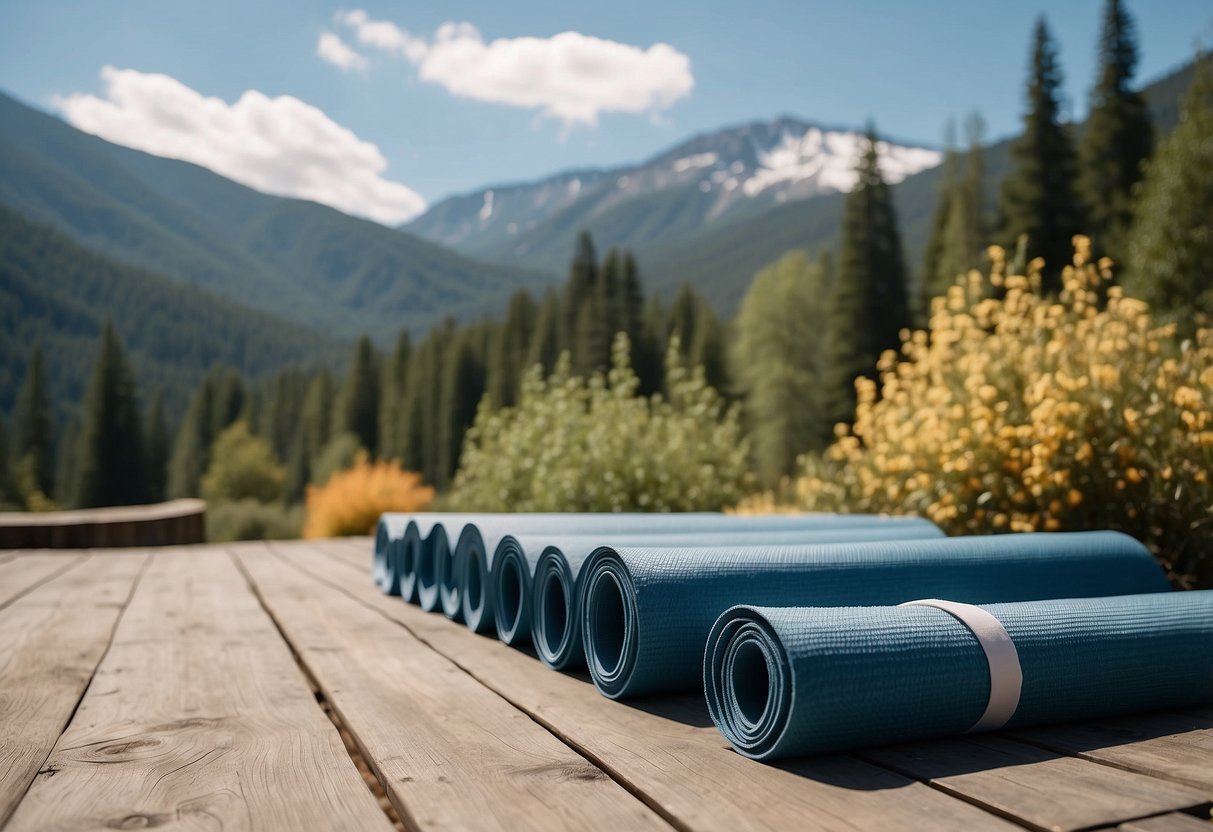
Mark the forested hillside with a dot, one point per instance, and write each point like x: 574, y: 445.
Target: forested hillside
x: 56, y: 294
x: 294, y: 259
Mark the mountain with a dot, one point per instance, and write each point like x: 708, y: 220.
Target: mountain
x: 57, y: 294
x: 710, y: 180
x: 716, y: 239
x: 293, y: 259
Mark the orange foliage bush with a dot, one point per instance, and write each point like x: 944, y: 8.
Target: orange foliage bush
x: 352, y: 500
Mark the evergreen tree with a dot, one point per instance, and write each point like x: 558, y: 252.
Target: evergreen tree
x: 1038, y: 197
x: 869, y: 300
x: 229, y: 399
x: 1118, y: 136
x: 578, y: 291
x: 315, y: 422
x: 65, y: 464
x: 507, y: 355
x: 1171, y: 244
x: 192, y: 446
x: 462, y: 388
x: 277, y: 421
x: 544, y: 347
x: 34, y: 434
x: 109, y: 464
x: 9, y: 498
x: 391, y: 400
x: 358, y: 405
x: 422, y: 446
x: 933, y: 254
x: 157, y: 449
x: 776, y: 361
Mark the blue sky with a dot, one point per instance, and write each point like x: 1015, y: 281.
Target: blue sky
x: 908, y: 65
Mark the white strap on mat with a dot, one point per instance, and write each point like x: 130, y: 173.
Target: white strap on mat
x: 1006, y: 676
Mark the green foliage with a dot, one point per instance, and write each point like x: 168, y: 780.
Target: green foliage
x: 338, y: 454
x: 9, y: 498
x: 242, y: 467
x: 156, y: 449
x: 1038, y: 197
x: 959, y: 226
x: 358, y: 403
x: 508, y: 352
x: 777, y: 362
x: 218, y: 402
x: 393, y: 389
x: 1118, y: 135
x: 34, y: 431
x: 1171, y: 244
x: 313, y: 434
x: 869, y: 298
x: 251, y: 519
x: 57, y: 293
x: 572, y: 444
x: 109, y: 458
x: 65, y: 464
x: 462, y: 387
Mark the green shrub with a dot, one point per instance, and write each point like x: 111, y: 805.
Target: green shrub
x: 242, y: 466
x: 249, y: 519
x: 572, y: 444
x: 338, y: 455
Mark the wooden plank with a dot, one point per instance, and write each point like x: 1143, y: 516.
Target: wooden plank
x: 25, y: 574
x: 1035, y: 786
x: 198, y: 714
x: 51, y: 641
x: 357, y: 557
x: 1173, y: 822
x: 450, y: 753
x: 1174, y: 746
x: 666, y: 749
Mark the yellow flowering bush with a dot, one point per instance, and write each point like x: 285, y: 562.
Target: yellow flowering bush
x: 576, y: 444
x: 351, y: 501
x: 1021, y: 412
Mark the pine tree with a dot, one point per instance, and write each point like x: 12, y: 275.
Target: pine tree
x: 34, y: 433
x: 462, y: 388
x: 578, y: 291
x: 869, y: 302
x: 156, y: 449
x: 1170, y: 246
x: 315, y: 422
x: 65, y: 464
x: 192, y: 445
x: 391, y: 400
x: 1118, y: 136
x: 9, y: 498
x: 277, y: 421
x: 507, y: 355
x: 109, y: 465
x: 776, y: 361
x: 229, y: 399
x: 358, y: 405
x: 1038, y: 197
x: 933, y: 254
x: 544, y: 347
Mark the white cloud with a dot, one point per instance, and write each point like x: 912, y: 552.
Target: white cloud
x: 569, y: 76
x: 383, y: 34
x: 332, y: 49
x: 278, y: 145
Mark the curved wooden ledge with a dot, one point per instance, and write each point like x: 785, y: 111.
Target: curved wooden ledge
x: 158, y: 524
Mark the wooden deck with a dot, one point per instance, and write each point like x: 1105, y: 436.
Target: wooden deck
x: 271, y: 686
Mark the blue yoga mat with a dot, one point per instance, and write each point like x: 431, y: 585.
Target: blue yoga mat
x: 384, y: 572
x: 646, y: 612
x: 465, y: 575
x: 791, y: 681
x: 555, y: 629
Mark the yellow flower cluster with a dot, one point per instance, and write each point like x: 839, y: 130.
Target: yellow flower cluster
x: 1020, y: 412
x: 351, y: 501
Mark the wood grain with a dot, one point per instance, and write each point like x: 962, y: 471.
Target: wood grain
x: 1176, y: 746
x: 21, y: 575
x: 51, y: 641
x: 1036, y: 786
x: 1172, y: 822
x: 198, y: 718
x: 667, y: 749
x: 450, y: 753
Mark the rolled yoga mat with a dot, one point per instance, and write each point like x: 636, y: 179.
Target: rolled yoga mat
x: 554, y: 624
x: 385, y: 570
x: 470, y: 588
x: 790, y: 681
x: 646, y: 613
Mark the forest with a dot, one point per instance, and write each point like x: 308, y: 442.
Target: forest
x: 995, y: 385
